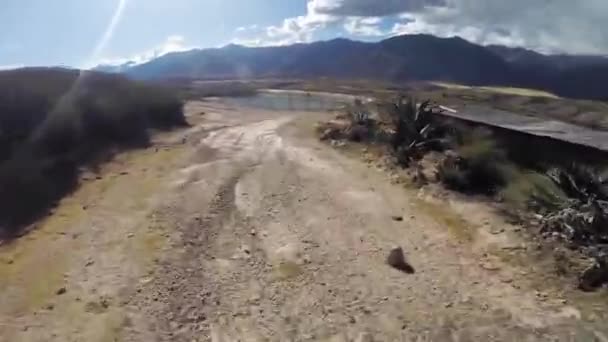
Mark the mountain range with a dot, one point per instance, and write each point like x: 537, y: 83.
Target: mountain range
x: 403, y: 58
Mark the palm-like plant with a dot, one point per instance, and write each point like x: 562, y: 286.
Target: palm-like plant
x: 415, y: 129
x: 580, y: 182
x: 358, y: 113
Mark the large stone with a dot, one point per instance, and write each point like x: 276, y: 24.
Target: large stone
x: 593, y: 277
x: 396, y: 259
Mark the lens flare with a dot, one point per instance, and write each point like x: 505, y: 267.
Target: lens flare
x: 101, y: 44
x: 109, y: 32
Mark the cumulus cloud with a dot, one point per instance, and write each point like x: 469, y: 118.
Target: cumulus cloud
x: 364, y: 26
x: 174, y: 43
x: 246, y: 28
x: 544, y: 25
x: 372, y: 8
x: 298, y: 29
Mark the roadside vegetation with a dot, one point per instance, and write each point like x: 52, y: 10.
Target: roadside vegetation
x: 534, y: 103
x: 54, y: 122
x: 559, y: 195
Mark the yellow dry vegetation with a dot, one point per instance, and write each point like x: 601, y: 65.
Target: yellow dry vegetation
x: 501, y: 90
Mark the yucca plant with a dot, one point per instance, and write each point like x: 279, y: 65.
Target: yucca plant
x: 415, y: 129
x: 359, y: 115
x: 584, y: 220
x: 580, y: 182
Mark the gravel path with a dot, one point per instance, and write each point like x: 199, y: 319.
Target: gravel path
x: 244, y: 228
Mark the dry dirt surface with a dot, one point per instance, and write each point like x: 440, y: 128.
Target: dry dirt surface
x: 244, y: 228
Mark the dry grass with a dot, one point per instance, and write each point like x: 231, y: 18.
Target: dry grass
x: 526, y: 187
x: 500, y: 90
x: 457, y: 226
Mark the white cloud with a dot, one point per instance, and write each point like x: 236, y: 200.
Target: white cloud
x: 364, y: 26
x: 544, y: 25
x: 247, y: 28
x: 372, y: 8
x: 417, y: 25
x: 298, y: 29
x: 557, y: 25
x: 174, y: 43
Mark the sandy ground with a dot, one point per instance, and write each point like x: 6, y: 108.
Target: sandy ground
x: 244, y: 228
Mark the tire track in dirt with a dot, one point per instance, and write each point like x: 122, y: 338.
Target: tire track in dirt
x: 182, y: 275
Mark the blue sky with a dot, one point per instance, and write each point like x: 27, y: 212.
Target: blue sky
x: 87, y: 32
x: 66, y: 32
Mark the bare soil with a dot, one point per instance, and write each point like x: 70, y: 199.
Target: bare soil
x: 244, y: 227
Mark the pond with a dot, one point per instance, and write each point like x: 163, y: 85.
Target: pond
x: 291, y: 101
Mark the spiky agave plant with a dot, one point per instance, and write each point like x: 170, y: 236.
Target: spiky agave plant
x: 580, y: 182
x: 585, y: 219
x: 358, y: 113
x: 415, y: 129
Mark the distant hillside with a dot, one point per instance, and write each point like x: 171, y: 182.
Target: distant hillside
x: 54, y: 121
x: 524, y: 57
x: 109, y: 68
x: 402, y: 58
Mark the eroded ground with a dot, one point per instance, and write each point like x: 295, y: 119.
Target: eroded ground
x: 245, y: 228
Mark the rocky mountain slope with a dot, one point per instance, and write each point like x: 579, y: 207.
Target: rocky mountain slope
x: 398, y: 59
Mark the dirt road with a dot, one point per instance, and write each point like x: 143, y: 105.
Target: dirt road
x: 245, y: 228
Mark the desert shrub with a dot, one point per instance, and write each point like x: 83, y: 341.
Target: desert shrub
x: 354, y: 122
x: 452, y: 174
x: 416, y: 130
x: 359, y: 133
x: 529, y: 190
x: 29, y: 185
x: 580, y: 182
x: 478, y: 165
x: 52, y: 121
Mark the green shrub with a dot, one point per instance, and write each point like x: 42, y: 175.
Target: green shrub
x: 478, y: 166
x: 532, y: 190
x: 453, y: 175
x: 29, y: 185
x: 416, y: 130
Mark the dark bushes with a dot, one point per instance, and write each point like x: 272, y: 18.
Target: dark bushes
x: 52, y: 121
x: 478, y: 166
x: 532, y: 177
x: 416, y: 130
